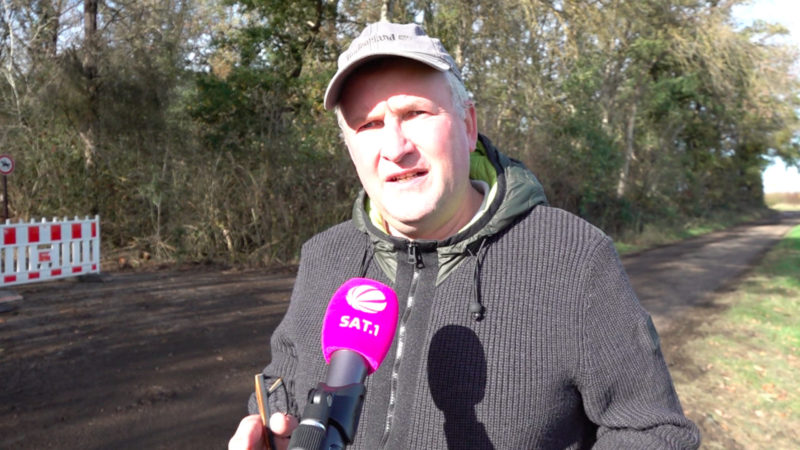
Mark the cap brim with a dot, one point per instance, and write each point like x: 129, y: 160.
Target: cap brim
x: 337, y: 82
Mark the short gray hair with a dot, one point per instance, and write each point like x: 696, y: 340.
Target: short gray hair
x: 458, y: 94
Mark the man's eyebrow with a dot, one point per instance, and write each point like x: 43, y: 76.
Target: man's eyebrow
x: 368, y: 116
x: 414, y: 103
x: 361, y: 116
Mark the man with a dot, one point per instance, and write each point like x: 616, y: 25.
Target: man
x: 518, y: 327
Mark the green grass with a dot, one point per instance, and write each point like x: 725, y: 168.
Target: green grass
x: 742, y: 384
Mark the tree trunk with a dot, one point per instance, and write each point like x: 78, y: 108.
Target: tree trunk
x: 624, y: 173
x: 90, y: 74
x: 386, y: 11
x: 48, y: 28
x: 89, y: 132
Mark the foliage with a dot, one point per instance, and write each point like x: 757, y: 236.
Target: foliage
x: 196, y: 130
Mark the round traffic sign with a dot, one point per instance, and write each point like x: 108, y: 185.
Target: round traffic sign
x: 6, y: 164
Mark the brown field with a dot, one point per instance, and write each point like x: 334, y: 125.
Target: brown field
x: 783, y: 200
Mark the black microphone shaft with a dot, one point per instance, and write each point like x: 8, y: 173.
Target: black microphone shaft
x: 346, y: 367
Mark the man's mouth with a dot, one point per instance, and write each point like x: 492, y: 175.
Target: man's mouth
x: 407, y: 176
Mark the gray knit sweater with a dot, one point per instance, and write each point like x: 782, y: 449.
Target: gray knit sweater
x: 562, y: 354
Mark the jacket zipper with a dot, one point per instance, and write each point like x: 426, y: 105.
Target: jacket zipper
x: 415, y: 258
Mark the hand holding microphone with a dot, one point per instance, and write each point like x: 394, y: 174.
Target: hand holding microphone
x: 357, y: 332
x: 250, y: 435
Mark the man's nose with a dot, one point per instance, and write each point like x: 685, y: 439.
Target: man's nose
x: 395, y: 145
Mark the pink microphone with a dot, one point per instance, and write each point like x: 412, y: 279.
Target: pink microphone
x: 358, y: 330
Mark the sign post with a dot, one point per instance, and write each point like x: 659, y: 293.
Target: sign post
x: 7, y: 298
x: 6, y: 167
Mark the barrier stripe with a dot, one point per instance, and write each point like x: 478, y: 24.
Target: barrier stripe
x: 33, y: 234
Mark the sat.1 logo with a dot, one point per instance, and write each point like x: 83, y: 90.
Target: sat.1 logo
x: 366, y: 298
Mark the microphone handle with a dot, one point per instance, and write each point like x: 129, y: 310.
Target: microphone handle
x: 331, y: 416
x: 313, y: 430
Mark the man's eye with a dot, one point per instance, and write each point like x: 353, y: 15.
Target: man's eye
x: 412, y: 114
x: 368, y: 125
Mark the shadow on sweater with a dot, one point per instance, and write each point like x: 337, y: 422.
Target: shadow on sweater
x: 457, y: 379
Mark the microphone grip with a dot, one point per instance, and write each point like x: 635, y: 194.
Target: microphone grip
x: 330, y: 418
x: 307, y: 437
x: 316, y: 431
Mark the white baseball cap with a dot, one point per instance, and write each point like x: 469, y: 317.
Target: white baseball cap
x: 382, y: 39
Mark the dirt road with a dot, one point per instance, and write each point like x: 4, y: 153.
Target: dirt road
x: 164, y: 359
x: 676, y: 283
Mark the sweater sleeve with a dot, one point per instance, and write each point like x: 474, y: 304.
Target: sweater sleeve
x: 282, y: 365
x: 283, y: 362
x: 624, y: 381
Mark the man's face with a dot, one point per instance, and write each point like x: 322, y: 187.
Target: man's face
x: 410, y: 148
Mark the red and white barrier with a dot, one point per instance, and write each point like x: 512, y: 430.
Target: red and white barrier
x: 42, y: 251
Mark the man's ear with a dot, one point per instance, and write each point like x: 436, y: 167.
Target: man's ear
x: 471, y: 123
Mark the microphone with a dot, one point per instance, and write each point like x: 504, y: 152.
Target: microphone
x: 357, y: 331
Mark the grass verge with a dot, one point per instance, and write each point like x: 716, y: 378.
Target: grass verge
x: 741, y: 382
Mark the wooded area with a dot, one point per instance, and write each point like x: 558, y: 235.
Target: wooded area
x: 196, y: 128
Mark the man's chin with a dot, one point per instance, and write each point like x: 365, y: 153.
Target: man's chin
x: 408, y: 226
x: 407, y: 218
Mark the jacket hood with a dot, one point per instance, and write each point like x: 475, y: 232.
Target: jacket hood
x: 514, y: 191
